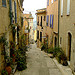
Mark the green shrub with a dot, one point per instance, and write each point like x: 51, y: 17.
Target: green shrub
x: 50, y: 50
x: 21, y: 59
x: 4, y: 72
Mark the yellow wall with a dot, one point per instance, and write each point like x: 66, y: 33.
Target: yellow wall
x: 66, y: 26
x: 35, y: 35
x: 4, y: 23
x: 52, y: 9
x: 43, y: 25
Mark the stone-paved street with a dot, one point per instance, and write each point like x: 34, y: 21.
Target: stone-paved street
x: 39, y: 63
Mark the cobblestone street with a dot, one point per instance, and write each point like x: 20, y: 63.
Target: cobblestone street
x: 39, y: 63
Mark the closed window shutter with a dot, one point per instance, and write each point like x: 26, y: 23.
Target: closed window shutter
x: 10, y: 6
x: 47, y: 19
x: 68, y: 7
x: 4, y: 3
x: 41, y: 36
x: 15, y: 12
x: 52, y: 20
x: 47, y: 2
x: 61, y: 7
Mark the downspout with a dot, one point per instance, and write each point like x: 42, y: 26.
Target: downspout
x: 58, y: 19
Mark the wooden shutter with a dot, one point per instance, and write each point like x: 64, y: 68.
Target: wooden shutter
x: 4, y: 3
x: 61, y: 7
x: 52, y: 20
x: 68, y: 7
x: 47, y: 2
x: 15, y: 12
x: 41, y: 36
x: 10, y: 6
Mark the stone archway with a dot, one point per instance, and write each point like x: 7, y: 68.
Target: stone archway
x: 69, y: 46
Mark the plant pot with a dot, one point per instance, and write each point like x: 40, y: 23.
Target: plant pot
x: 8, y: 69
x: 13, y: 59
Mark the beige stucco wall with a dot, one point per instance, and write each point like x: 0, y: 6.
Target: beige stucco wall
x: 52, y: 9
x: 4, y: 23
x: 67, y: 25
x: 39, y: 28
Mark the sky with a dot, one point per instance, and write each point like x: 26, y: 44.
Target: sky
x: 33, y: 5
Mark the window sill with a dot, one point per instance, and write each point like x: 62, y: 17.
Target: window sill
x: 68, y: 15
x: 61, y: 15
x: 4, y: 6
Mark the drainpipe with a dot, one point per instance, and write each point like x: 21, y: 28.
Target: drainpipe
x: 58, y: 19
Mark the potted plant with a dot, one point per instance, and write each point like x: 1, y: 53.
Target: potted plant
x: 8, y: 65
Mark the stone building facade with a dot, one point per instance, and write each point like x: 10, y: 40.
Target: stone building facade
x: 4, y: 23
x: 29, y: 19
x: 11, y: 12
x: 52, y: 23
x: 67, y: 30
x: 41, y: 26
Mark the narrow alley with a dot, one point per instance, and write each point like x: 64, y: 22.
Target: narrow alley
x: 39, y: 63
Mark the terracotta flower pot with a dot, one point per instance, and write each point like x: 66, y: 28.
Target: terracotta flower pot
x: 13, y: 59
x: 8, y: 69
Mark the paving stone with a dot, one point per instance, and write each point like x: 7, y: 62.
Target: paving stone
x: 39, y: 63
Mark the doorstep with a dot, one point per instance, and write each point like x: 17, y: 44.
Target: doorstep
x: 65, y: 70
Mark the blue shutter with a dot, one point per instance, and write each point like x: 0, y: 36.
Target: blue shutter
x: 15, y: 12
x: 4, y: 3
x: 52, y: 20
x: 10, y: 6
x: 47, y: 19
x: 47, y: 2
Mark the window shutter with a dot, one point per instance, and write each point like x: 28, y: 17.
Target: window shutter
x: 68, y: 7
x: 10, y: 6
x: 4, y: 3
x: 15, y: 12
x: 52, y: 20
x: 61, y: 7
x: 41, y: 36
x: 47, y: 2
x: 47, y: 19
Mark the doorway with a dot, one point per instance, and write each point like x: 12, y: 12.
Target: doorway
x: 55, y: 42
x: 69, y: 45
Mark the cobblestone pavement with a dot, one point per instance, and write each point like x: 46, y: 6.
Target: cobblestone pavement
x: 39, y: 63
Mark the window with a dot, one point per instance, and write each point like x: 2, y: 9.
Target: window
x: 47, y: 2
x: 41, y: 21
x: 51, y: 1
x: 47, y: 19
x: 61, y: 7
x: 41, y: 36
x: 37, y: 34
x: 38, y: 21
x: 44, y: 18
x: 15, y: 12
x: 60, y: 40
x: 4, y: 3
x: 68, y: 7
x: 51, y: 20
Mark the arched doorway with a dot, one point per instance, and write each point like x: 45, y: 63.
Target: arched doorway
x: 69, y: 45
